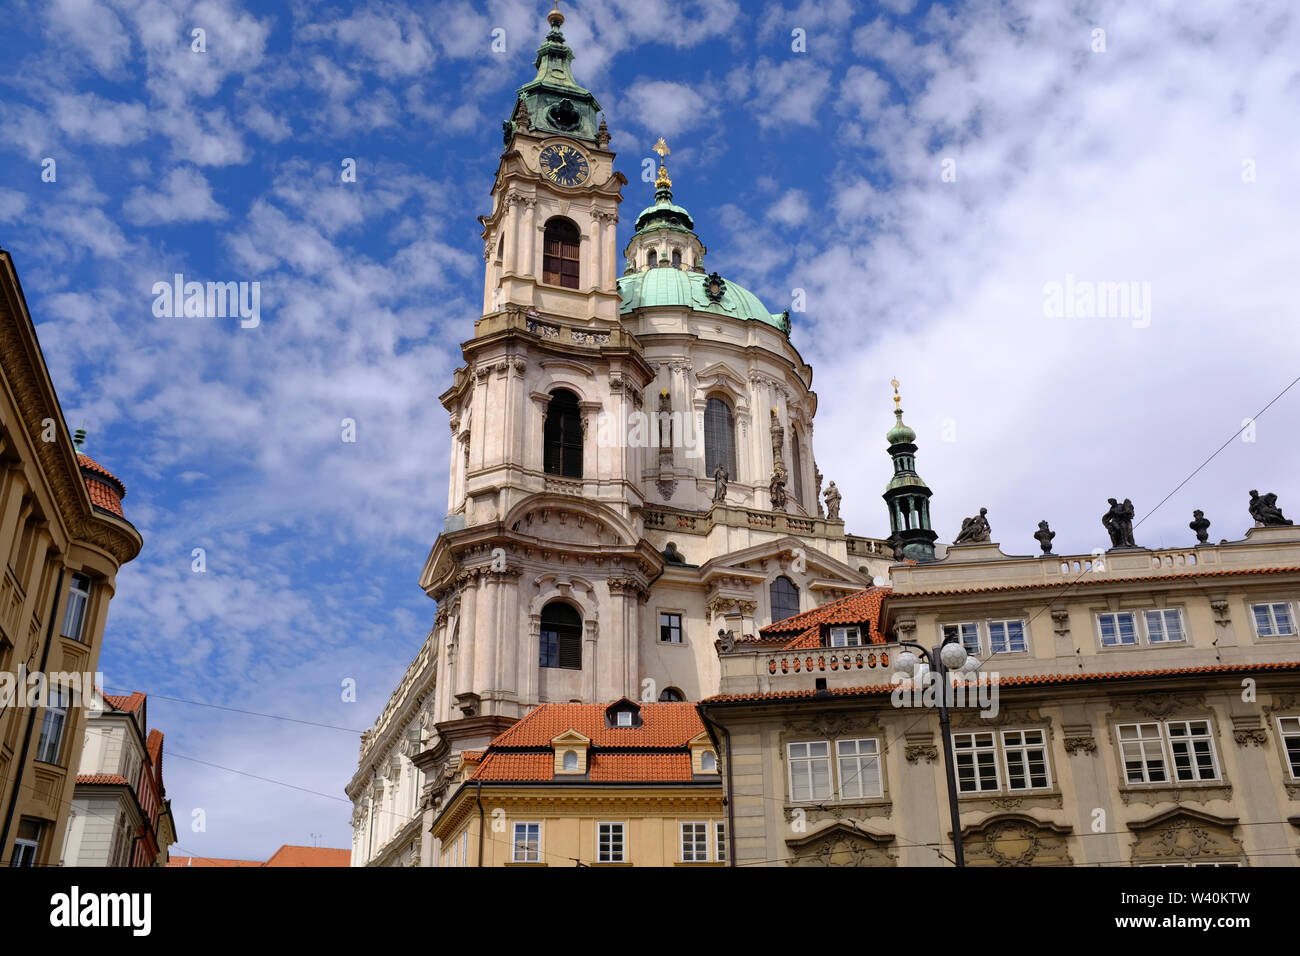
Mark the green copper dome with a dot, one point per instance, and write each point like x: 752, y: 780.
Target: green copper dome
x: 900, y: 433
x: 664, y: 214
x: 666, y: 286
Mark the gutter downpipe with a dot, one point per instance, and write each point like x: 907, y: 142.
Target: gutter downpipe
x: 478, y: 798
x: 731, y: 804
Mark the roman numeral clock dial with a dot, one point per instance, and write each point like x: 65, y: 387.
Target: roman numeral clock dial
x: 564, y: 165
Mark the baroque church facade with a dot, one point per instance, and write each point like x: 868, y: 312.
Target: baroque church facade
x: 632, y: 472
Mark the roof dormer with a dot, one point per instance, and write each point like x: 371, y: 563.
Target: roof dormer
x: 623, y: 713
x: 571, y: 750
x: 704, y: 756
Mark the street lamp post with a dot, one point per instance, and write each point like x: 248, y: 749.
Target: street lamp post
x: 945, y: 658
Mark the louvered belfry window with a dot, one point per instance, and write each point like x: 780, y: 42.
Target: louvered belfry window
x: 796, y: 467
x: 561, y: 637
x: 562, y: 435
x: 719, y: 438
x: 560, y: 253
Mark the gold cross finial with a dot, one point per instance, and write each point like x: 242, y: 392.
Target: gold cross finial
x: 894, y: 382
x: 555, y: 16
x: 661, y: 148
x: 662, y: 181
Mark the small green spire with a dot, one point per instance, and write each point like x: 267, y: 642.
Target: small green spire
x: 553, y: 101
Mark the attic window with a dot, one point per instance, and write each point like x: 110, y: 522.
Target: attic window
x: 570, y: 760
x: 845, y: 637
x: 623, y: 713
x: 709, y: 761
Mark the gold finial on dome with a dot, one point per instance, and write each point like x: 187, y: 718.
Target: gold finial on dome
x: 894, y: 382
x: 662, y: 182
x: 555, y: 17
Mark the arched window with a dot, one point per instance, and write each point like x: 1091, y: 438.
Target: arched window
x: 709, y: 761
x: 570, y: 760
x: 719, y: 438
x: 652, y: 259
x: 561, y: 640
x: 560, y: 253
x: 562, y: 435
x: 677, y: 259
x: 796, y: 467
x: 501, y: 248
x: 785, y: 599
x: 671, y: 694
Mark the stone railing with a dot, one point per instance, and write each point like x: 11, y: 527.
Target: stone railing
x: 553, y: 330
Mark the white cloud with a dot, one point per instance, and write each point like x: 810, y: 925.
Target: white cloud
x: 792, y: 209
x: 184, y: 196
x: 665, y: 108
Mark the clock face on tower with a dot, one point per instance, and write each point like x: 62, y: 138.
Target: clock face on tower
x: 564, y: 165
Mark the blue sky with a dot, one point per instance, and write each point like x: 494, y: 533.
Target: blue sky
x: 1165, y: 157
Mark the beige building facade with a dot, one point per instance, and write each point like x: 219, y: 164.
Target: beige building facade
x: 1138, y: 707
x: 64, y: 537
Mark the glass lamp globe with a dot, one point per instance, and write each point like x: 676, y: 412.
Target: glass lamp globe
x: 953, y: 656
x: 971, y: 666
x: 905, y: 663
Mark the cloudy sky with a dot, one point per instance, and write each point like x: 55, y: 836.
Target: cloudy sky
x: 934, y: 180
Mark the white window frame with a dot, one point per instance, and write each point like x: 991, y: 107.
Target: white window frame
x: 1190, y: 738
x: 1022, y: 748
x: 1162, y: 613
x: 1140, y: 747
x: 605, y: 843
x: 978, y: 649
x: 57, y: 702
x: 708, y: 755
x: 78, y: 604
x: 807, y: 760
x: 1272, y: 619
x: 720, y: 840
x: 974, y: 749
x: 622, y: 718
x: 515, y: 849
x: 839, y: 636
x: 1288, y: 732
x: 698, y: 838
x: 1101, y: 634
x: 856, y: 760
x: 1006, y: 622
x: 26, y: 849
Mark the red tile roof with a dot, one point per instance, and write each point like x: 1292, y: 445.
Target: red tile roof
x: 654, y: 752
x: 103, y: 778
x: 289, y: 855
x: 1089, y: 578
x: 662, y: 725
x: 209, y: 861
x: 129, y: 703
x: 804, y: 630
x: 1022, y: 680
x: 106, y: 491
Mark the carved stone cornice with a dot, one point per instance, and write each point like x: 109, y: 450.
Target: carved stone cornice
x: 1080, y: 744
x: 1184, y: 794
x: 927, y: 752
x: 1257, y: 736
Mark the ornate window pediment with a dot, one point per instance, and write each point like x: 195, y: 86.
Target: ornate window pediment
x: 841, y: 844
x: 1016, y: 839
x: 1186, y: 836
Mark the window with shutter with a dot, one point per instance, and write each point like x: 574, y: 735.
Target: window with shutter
x: 719, y: 437
x: 561, y: 637
x: 560, y: 253
x: 562, y: 435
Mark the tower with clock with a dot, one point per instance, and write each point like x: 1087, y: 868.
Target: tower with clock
x: 631, y: 465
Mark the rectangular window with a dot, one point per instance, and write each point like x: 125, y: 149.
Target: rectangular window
x: 609, y: 843
x: 528, y: 843
x: 1142, y: 750
x: 846, y: 637
x: 976, y: 756
x: 74, y: 617
x: 968, y: 634
x: 670, y: 628
x: 1117, y: 630
x: 1273, y: 620
x: 623, y: 718
x: 720, y: 831
x: 1289, y: 729
x: 1192, y: 747
x: 695, y: 843
x: 1006, y: 637
x: 1164, y: 626
x: 56, y: 716
x: 1025, y: 752
x: 859, y: 767
x: 810, y: 771
x: 464, y: 849
x: 550, y: 646
x: 27, y: 843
